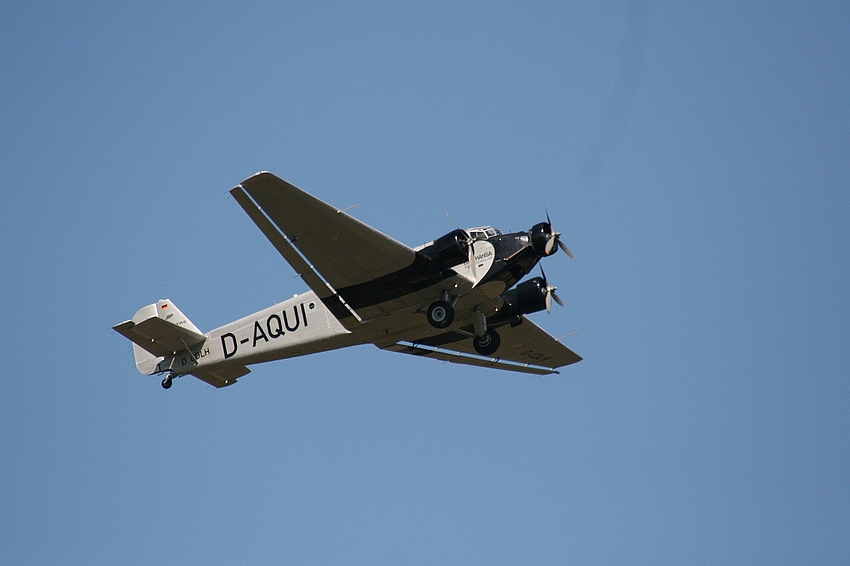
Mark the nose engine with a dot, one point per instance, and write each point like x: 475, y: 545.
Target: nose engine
x: 545, y: 240
x: 540, y: 235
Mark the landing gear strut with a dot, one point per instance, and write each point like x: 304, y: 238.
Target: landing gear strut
x: 440, y: 314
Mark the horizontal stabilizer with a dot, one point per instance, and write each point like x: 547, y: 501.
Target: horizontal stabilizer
x: 466, y: 359
x: 159, y: 337
x: 161, y: 329
x: 222, y: 377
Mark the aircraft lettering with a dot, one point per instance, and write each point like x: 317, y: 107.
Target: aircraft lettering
x: 224, y: 339
x: 272, y: 328
x: 537, y: 356
x: 275, y: 330
x: 286, y: 322
x: 202, y: 353
x: 258, y: 333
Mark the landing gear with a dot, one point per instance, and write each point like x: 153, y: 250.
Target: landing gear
x: 440, y: 314
x: 488, y: 343
x: 166, y: 382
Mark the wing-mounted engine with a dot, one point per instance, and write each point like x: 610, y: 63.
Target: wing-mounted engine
x: 525, y: 298
x: 531, y: 296
x: 449, y: 250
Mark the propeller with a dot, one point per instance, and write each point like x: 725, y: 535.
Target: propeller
x: 550, y: 293
x: 470, y: 241
x: 470, y: 245
x: 555, y: 239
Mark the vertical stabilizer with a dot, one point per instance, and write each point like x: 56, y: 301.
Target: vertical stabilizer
x: 166, y: 310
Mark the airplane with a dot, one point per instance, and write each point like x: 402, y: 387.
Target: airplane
x: 452, y: 299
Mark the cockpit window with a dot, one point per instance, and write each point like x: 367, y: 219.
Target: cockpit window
x: 483, y: 232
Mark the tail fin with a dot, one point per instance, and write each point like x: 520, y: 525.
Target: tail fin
x: 157, y: 331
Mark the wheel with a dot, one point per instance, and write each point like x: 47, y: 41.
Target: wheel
x: 166, y: 382
x: 440, y: 314
x: 488, y: 344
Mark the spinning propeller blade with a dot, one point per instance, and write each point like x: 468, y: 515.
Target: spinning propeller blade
x: 550, y: 293
x: 555, y: 239
x: 469, y: 246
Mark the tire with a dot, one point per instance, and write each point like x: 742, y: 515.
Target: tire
x: 166, y: 382
x: 488, y: 344
x: 440, y: 314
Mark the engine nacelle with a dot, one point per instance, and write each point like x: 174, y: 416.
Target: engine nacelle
x: 449, y: 250
x: 525, y: 298
x: 540, y: 234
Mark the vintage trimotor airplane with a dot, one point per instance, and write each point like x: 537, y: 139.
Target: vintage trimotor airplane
x: 444, y: 300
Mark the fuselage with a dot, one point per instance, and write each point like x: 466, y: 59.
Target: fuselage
x: 306, y: 324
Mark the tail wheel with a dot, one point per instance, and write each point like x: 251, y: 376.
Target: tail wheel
x: 487, y: 344
x: 440, y: 314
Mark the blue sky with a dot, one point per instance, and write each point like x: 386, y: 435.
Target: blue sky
x: 695, y: 158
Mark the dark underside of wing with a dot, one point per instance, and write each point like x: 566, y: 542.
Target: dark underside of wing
x: 352, y: 267
x: 342, y: 249
x: 525, y: 348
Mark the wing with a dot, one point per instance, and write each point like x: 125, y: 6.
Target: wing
x: 342, y: 249
x: 345, y: 252
x: 525, y: 348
